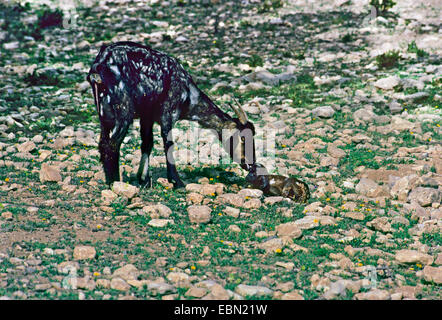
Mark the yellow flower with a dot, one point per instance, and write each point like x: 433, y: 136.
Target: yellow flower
x: 192, y: 267
x: 438, y: 125
x: 411, y: 132
x: 99, y: 226
x: 81, y: 181
x: 7, y: 179
x: 211, y: 179
x: 315, y: 220
x: 96, y: 274
x: 328, y: 199
x: 212, y: 194
x: 418, y: 265
x: 278, y: 250
x: 283, y: 146
x: 214, y: 41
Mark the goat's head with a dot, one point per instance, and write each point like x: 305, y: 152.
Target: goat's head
x: 239, y: 139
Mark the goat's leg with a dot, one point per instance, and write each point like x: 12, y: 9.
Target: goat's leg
x: 109, y: 147
x: 144, y: 178
x: 166, y: 134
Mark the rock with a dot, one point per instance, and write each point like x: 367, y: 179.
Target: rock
x: 231, y: 199
x: 125, y: 189
x: 180, y: 279
x: 7, y: 215
x: 199, y: 214
x: 49, y: 173
x: 119, y: 284
x: 273, y: 200
x: 388, y: 83
x: 336, y: 289
x: 252, y: 204
x: 368, y: 187
x: 26, y: 146
x: 271, y: 245
x: 364, y: 116
x: 293, y: 295
x: 160, y: 223
x: 107, y: 196
x: 157, y: 211
x: 402, y: 187
x: 11, y: 45
x: 232, y: 212
x: 289, y: 229
x: 217, y: 292
x: 323, y: 112
x: 66, y: 267
x: 308, y: 222
x: 413, y: 256
x: 416, y: 97
x: 433, y: 274
x: 160, y: 287
x: 251, y: 193
x: 425, y: 196
x: 84, y: 252
x: 373, y: 294
x: 380, y: 224
x: 253, y: 291
x: 395, y: 107
x: 196, y: 292
x: 127, y: 272
x: 336, y: 152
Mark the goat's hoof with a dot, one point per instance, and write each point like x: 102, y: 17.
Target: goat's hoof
x: 145, y: 184
x: 179, y: 185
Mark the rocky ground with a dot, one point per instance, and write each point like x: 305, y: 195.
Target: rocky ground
x: 362, y: 130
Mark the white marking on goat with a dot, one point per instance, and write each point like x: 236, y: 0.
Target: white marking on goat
x: 115, y: 70
x: 194, y: 95
x: 145, y: 167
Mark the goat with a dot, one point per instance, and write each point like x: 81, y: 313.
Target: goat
x: 129, y: 81
x: 276, y: 185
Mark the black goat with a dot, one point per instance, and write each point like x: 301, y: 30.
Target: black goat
x: 130, y: 80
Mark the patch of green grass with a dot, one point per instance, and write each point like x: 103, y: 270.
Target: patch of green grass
x: 388, y: 59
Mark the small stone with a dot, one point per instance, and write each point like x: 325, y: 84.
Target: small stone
x: 367, y: 187
x: 234, y: 228
x: 84, y: 252
x: 107, y: 196
x: 199, y: 214
x: 253, y: 291
x: 289, y: 229
x: 388, y: 83
x: 119, y: 284
x: 125, y: 189
x: 49, y: 173
x: 271, y: 245
x: 251, y: 193
x: 157, y: 211
x: 413, y: 256
x: 425, y: 196
x: 373, y: 294
x: 323, y: 112
x: 127, y: 272
x: 7, y: 215
x: 232, y: 212
x: 26, y: 146
x: 433, y: 274
x: 196, y: 292
x: 293, y: 295
x: 160, y: 223
x: 179, y: 279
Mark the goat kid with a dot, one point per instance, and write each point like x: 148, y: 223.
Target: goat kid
x: 129, y: 81
x: 276, y: 185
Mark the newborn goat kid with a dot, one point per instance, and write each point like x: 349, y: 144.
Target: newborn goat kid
x: 276, y: 185
x: 130, y: 80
